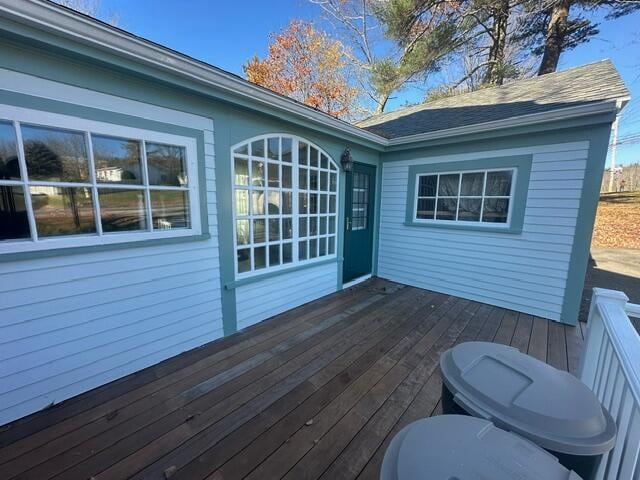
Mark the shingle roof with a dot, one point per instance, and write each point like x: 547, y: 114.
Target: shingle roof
x: 578, y: 86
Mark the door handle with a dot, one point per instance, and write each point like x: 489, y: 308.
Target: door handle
x: 348, y: 223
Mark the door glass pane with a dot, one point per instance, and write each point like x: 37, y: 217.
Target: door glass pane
x: 122, y: 210
x: 322, y: 247
x: 499, y: 183
x: 14, y: 223
x: 313, y: 248
x: 55, y: 155
x: 324, y: 161
x: 302, y: 250
x: 62, y: 210
x: 449, y: 185
x: 313, y: 157
x: 333, y: 181
x: 426, y: 208
x: 244, y: 260
x: 360, y: 201
x: 313, y: 180
x: 166, y: 165
x: 427, y: 186
x: 447, y: 208
x: 469, y: 209
x: 302, y: 227
x: 241, y: 171
x: 495, y: 210
x: 472, y: 184
x: 117, y: 160
x: 169, y: 209
x: 9, y: 166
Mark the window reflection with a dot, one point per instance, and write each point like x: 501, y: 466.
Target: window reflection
x: 55, y: 155
x: 166, y: 165
x: 14, y: 223
x: 117, y: 160
x: 170, y: 209
x: 122, y: 210
x: 9, y: 166
x: 62, y: 210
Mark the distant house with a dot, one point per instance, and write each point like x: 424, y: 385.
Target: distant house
x: 240, y: 204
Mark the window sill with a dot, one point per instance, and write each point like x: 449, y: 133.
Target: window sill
x: 63, y: 251
x: 475, y: 228
x: 266, y: 275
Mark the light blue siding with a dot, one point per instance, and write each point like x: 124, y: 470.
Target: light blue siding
x: 526, y: 272
x: 260, y: 300
x: 73, y: 322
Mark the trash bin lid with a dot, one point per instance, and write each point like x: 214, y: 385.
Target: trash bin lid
x: 460, y: 447
x: 522, y: 394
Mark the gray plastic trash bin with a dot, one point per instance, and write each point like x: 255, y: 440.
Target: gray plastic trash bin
x: 465, y: 448
x: 521, y: 394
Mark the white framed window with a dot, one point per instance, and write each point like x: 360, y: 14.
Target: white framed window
x: 284, y: 204
x: 465, y: 197
x: 71, y: 182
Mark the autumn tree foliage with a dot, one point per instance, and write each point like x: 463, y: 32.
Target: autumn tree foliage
x: 306, y: 65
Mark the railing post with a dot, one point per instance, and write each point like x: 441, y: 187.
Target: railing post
x: 595, y: 332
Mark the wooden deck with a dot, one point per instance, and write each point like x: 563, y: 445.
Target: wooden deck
x: 316, y: 392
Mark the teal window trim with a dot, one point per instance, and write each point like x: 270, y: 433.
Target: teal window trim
x: 522, y: 165
x: 258, y: 278
x: 120, y: 119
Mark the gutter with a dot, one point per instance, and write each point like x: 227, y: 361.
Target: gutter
x: 605, y: 106
x: 47, y: 16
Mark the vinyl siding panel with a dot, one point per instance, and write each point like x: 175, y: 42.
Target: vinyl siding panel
x: 261, y: 300
x: 71, y: 323
x: 525, y: 272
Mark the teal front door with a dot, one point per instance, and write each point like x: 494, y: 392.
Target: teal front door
x: 358, y: 237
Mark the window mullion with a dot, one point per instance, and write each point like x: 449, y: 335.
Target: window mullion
x: 145, y: 177
x: 295, y: 201
x: 25, y: 179
x: 459, y: 195
x: 484, y: 190
x: 94, y: 187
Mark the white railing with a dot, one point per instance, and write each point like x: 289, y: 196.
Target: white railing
x: 611, y: 368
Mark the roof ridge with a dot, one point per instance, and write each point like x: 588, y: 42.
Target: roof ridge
x: 417, y: 107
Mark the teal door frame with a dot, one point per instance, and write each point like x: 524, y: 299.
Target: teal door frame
x: 359, y: 206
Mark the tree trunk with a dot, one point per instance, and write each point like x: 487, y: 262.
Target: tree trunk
x: 383, y: 98
x: 495, y: 71
x: 554, y: 40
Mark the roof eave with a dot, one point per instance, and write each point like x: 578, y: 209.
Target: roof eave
x: 605, y: 106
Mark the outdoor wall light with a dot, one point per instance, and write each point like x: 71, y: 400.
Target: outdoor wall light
x: 346, y: 160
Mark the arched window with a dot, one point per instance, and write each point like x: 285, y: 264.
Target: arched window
x: 284, y: 204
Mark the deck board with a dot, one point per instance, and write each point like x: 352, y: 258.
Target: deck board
x: 316, y: 392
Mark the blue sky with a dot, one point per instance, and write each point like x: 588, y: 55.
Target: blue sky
x: 227, y: 33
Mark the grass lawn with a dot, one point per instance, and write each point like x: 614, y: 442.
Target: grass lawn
x: 618, y: 221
